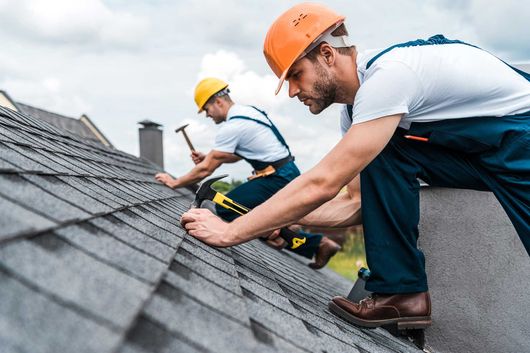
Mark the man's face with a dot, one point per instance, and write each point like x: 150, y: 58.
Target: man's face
x: 213, y: 110
x: 312, y: 84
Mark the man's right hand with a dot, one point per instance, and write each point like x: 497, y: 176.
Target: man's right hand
x: 197, y: 157
x: 274, y: 240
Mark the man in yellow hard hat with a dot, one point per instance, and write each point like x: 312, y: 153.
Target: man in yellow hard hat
x: 440, y: 110
x: 247, y: 133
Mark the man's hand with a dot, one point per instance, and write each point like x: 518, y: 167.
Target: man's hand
x: 274, y: 240
x: 207, y: 227
x: 165, y: 179
x: 197, y: 157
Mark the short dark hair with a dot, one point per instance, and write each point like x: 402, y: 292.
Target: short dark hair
x: 339, y: 31
x: 225, y: 97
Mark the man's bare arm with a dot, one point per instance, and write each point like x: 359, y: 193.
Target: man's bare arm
x: 213, y: 160
x: 357, y: 149
x: 342, y: 211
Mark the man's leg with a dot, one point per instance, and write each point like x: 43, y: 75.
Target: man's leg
x: 479, y: 153
x: 390, y: 205
x: 509, y: 175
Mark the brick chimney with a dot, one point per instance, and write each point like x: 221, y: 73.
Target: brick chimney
x: 151, y: 142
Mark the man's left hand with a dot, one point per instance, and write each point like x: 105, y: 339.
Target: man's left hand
x: 165, y: 179
x: 207, y: 227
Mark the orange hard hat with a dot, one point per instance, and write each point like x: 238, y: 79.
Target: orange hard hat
x: 293, y: 32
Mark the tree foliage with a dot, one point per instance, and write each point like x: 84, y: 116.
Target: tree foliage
x: 224, y: 187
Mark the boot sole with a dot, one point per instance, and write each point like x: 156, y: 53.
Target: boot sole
x: 402, y: 323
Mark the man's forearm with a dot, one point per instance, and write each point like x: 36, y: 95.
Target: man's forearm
x: 194, y: 176
x: 342, y: 211
x: 287, y: 209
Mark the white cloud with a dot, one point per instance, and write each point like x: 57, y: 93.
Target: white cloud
x: 498, y: 26
x: 503, y: 25
x: 246, y: 86
x: 78, y: 22
x: 48, y: 93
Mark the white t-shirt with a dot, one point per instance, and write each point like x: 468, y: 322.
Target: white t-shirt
x: 436, y: 82
x: 249, y: 139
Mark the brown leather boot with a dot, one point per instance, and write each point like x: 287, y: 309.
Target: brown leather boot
x: 326, y: 250
x: 408, y: 311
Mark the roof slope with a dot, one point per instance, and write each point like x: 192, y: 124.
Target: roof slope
x: 78, y: 127
x: 93, y: 259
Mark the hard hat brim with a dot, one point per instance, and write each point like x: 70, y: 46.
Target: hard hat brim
x: 282, y: 79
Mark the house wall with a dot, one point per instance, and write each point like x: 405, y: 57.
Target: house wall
x: 479, y: 274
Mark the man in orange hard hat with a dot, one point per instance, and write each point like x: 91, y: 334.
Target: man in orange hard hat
x: 440, y: 110
x: 247, y: 133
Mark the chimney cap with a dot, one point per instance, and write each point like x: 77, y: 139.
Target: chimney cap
x: 149, y: 124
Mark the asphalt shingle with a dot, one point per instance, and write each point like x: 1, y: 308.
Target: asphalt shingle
x: 135, y: 238
x: 17, y: 159
x: 33, y: 322
x: 36, y: 198
x: 95, y: 241
x: 63, y: 190
x: 20, y: 220
x: 203, y: 326
x: 133, y: 220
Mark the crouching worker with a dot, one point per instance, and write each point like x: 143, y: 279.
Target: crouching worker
x: 247, y: 133
x: 440, y: 110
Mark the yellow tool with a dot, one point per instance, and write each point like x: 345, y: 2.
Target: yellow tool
x: 206, y: 192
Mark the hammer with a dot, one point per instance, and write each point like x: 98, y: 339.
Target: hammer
x: 185, y: 136
x: 206, y: 192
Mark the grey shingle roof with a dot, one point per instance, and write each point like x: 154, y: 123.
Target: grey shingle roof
x: 93, y: 259
x: 72, y: 125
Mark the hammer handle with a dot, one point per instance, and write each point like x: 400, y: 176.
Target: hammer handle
x: 293, y: 239
x: 188, y: 140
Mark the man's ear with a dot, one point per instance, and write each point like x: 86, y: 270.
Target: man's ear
x: 328, y: 54
x: 217, y: 101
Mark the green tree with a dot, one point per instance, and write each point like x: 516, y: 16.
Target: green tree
x: 224, y: 187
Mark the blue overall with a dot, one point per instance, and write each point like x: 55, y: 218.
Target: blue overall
x: 256, y: 191
x: 482, y: 153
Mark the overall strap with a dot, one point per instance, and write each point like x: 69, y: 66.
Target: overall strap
x: 434, y: 40
x: 275, y: 131
x: 437, y: 40
x: 349, y: 109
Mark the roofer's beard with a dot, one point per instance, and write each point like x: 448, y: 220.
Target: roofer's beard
x: 324, y: 90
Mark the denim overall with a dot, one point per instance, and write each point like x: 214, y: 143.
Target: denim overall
x: 482, y: 153
x: 254, y: 192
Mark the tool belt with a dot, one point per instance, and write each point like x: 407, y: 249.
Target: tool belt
x: 271, y: 168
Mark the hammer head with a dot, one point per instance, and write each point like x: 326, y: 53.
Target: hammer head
x: 181, y: 128
x: 205, y: 191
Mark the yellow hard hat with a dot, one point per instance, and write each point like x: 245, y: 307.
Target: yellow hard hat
x: 206, y: 89
x: 293, y: 32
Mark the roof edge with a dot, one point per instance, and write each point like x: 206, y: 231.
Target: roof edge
x: 101, y: 137
x: 9, y: 102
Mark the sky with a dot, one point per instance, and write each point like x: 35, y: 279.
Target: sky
x: 123, y: 61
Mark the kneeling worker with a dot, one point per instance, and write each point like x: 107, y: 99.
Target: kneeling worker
x: 440, y: 110
x: 247, y: 133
